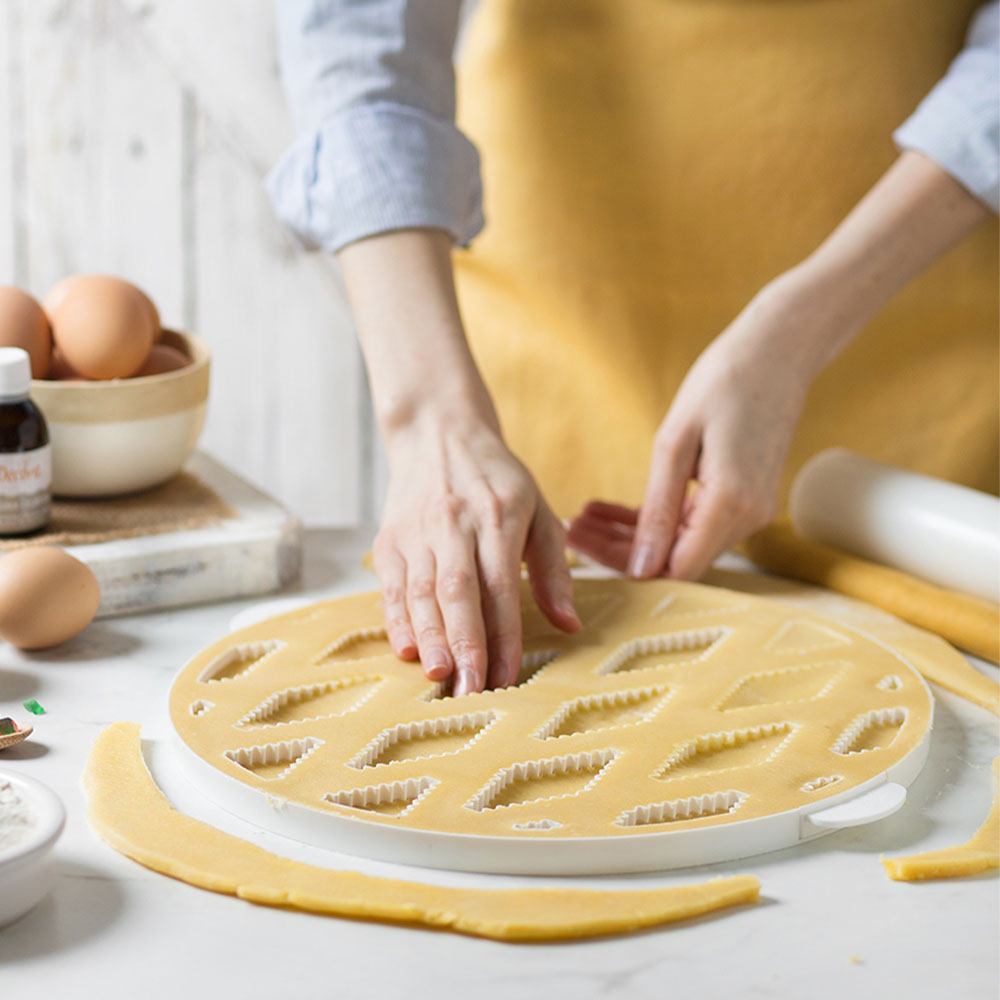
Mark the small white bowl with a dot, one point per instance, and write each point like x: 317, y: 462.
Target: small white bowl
x: 128, y: 434
x: 25, y: 875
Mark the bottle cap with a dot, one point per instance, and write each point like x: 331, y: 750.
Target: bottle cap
x: 15, y: 374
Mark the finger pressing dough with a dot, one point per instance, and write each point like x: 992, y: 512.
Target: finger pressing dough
x: 129, y: 811
x: 980, y: 854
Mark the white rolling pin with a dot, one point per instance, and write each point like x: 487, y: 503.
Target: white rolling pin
x: 946, y: 534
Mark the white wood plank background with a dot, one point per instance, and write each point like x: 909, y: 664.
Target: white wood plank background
x: 11, y: 146
x: 134, y: 138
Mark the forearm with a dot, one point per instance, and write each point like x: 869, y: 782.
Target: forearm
x: 913, y: 215
x: 402, y: 293
x: 461, y: 512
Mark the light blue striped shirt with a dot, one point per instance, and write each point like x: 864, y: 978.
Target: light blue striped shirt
x: 371, y: 85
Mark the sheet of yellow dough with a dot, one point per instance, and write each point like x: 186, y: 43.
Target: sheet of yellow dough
x: 670, y: 692
x: 129, y: 811
x: 980, y: 854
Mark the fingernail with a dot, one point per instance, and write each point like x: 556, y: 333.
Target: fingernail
x: 406, y: 647
x: 465, y: 682
x: 437, y: 667
x: 642, y: 561
x: 500, y: 674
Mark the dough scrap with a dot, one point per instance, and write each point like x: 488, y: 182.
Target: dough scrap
x: 980, y: 854
x: 675, y: 707
x: 926, y: 649
x: 968, y: 622
x: 127, y: 809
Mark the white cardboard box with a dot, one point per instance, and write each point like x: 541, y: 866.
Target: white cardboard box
x: 257, y: 552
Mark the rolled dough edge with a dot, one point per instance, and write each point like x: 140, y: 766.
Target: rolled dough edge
x: 980, y: 854
x: 127, y: 809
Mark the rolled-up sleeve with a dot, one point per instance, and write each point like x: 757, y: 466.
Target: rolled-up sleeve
x: 371, y: 86
x: 958, y: 124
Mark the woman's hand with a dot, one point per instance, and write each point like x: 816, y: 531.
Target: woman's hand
x: 728, y: 429
x: 731, y: 423
x: 461, y: 514
x: 461, y: 511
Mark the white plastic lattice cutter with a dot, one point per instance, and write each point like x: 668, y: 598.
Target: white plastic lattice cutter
x: 682, y: 725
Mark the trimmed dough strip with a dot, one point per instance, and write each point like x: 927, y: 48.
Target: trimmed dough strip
x: 980, y: 854
x: 128, y: 810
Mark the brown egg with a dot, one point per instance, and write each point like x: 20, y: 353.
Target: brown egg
x: 24, y: 324
x: 59, y: 290
x: 163, y: 358
x: 154, y: 316
x: 57, y: 293
x: 103, y: 326
x: 46, y: 597
x: 60, y: 369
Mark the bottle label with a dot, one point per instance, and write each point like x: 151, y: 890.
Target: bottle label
x: 25, y: 490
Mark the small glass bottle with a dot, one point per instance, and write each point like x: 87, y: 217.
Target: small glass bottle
x: 25, y: 453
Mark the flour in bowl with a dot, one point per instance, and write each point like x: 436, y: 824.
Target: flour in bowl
x: 17, y: 818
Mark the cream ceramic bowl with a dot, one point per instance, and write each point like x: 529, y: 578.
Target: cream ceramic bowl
x: 125, y: 435
x: 25, y: 874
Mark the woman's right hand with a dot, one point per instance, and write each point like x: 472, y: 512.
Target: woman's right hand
x: 461, y: 511
x: 460, y: 515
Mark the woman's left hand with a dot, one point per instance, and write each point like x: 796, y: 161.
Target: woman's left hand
x: 728, y: 429
x: 731, y: 423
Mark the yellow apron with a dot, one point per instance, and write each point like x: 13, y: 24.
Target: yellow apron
x: 648, y: 166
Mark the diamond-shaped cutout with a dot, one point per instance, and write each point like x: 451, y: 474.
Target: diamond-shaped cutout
x: 426, y: 738
x: 273, y: 760
x: 591, y: 609
x: 822, y: 782
x: 678, y: 810
x: 361, y: 644
x: 652, y: 651
x: 311, y: 701
x: 604, y: 711
x: 680, y: 604
x: 303, y: 616
x: 534, y: 780
x: 533, y: 661
x: 394, y: 798
x: 538, y: 824
x: 876, y: 730
x: 798, y: 636
x: 239, y: 660
x: 724, y: 751
x: 772, y: 687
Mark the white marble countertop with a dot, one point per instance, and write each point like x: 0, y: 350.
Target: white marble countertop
x: 830, y: 924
